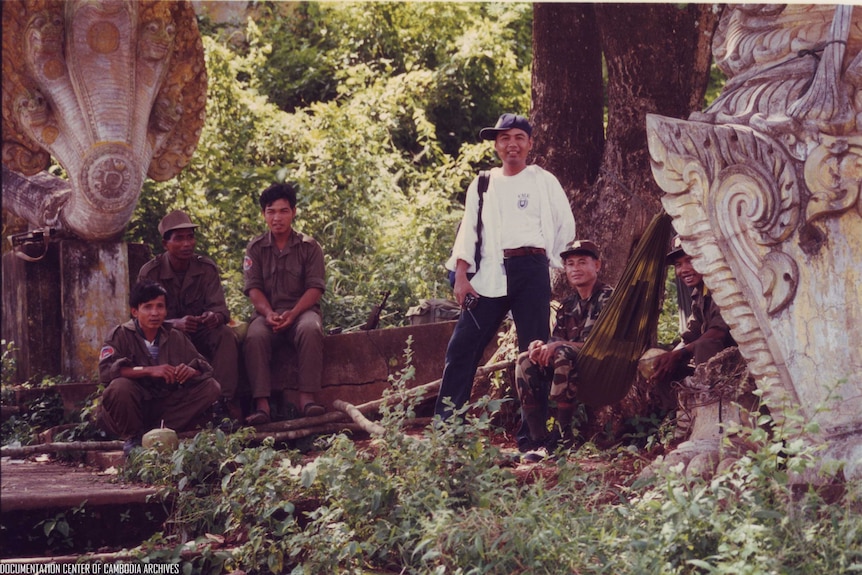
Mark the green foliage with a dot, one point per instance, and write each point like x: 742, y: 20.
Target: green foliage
x: 717, y: 80
x: 43, y: 411
x: 85, y: 428
x: 668, y: 321
x: 58, y: 531
x: 9, y: 367
x: 448, y: 502
x: 320, y: 52
x: 372, y: 110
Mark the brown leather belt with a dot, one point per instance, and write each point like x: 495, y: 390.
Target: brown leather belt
x: 526, y: 251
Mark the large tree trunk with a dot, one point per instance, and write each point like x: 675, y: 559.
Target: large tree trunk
x: 568, y: 101
x: 658, y: 58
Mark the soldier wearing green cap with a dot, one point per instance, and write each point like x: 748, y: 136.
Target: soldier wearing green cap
x: 196, y: 304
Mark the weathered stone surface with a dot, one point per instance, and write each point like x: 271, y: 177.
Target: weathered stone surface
x: 764, y: 187
x: 358, y: 365
x: 44, y: 336
x: 114, y: 91
x: 713, y: 402
x: 95, y: 282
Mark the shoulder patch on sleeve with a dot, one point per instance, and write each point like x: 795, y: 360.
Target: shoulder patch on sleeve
x: 107, y: 351
x: 246, y: 263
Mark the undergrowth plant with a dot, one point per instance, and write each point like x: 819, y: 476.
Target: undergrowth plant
x: 447, y: 501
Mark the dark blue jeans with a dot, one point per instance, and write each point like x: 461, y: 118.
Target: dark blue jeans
x: 529, y: 299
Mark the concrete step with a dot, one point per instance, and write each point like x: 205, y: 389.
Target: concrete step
x: 50, y: 508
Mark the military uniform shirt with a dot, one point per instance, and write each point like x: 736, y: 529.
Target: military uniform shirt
x: 577, y: 316
x: 196, y: 291
x: 705, y: 314
x: 286, y: 275
x: 126, y: 347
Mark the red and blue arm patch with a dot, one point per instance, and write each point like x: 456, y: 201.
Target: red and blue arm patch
x: 107, y: 351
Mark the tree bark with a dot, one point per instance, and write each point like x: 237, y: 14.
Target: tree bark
x: 567, y: 95
x: 658, y: 58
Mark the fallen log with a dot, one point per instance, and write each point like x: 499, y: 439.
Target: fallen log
x: 60, y: 447
x: 364, y: 423
x: 432, y: 387
x: 371, y: 406
x: 302, y: 422
x: 307, y: 431
x: 282, y: 430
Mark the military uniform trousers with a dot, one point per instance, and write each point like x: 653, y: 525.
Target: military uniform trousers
x: 305, y: 334
x: 221, y: 348
x: 536, y: 384
x: 130, y: 408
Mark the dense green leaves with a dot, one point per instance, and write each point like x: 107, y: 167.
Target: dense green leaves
x: 446, y: 500
x: 372, y: 110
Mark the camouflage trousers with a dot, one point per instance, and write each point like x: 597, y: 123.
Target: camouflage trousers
x: 531, y: 379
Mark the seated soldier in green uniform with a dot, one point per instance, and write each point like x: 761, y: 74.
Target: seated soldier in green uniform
x: 153, y: 372
x: 284, y: 280
x: 706, y: 332
x: 547, y: 372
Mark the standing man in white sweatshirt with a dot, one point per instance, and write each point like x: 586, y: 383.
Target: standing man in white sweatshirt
x: 526, y: 223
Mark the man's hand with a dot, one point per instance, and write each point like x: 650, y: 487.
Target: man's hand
x: 163, y: 371
x: 172, y: 374
x: 665, y: 364
x: 543, y: 353
x: 462, y: 288
x: 279, y: 321
x: 210, y: 320
x: 183, y: 373
x: 187, y: 324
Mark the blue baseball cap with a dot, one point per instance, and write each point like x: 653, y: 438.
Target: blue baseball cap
x: 506, y: 122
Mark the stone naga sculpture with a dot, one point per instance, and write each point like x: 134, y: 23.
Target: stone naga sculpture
x: 114, y: 90
x: 765, y: 188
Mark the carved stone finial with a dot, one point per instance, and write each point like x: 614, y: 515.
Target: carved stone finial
x: 765, y: 188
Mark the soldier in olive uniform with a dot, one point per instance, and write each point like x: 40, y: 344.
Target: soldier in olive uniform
x: 548, y: 371
x: 153, y: 372
x: 196, y: 303
x: 284, y: 280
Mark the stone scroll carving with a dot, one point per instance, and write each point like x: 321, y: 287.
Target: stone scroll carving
x: 113, y: 90
x: 765, y: 188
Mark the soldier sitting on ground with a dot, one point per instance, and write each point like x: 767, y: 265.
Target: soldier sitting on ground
x: 552, y: 366
x: 706, y: 333
x: 153, y: 372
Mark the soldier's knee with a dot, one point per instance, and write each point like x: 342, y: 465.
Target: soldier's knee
x: 119, y: 388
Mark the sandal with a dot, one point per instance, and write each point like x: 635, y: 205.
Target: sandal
x: 259, y: 417
x: 313, y: 410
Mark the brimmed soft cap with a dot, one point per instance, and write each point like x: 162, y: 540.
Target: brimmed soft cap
x: 675, y: 250
x: 506, y: 122
x: 176, y: 220
x: 581, y: 247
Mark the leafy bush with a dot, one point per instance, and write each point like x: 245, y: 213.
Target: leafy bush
x: 43, y: 411
x: 449, y: 502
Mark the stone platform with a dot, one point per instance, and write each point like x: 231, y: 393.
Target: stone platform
x: 87, y: 507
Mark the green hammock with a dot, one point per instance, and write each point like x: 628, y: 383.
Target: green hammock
x: 628, y: 324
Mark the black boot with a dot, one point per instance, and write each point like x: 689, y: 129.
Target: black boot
x: 561, y: 435
x: 537, y: 425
